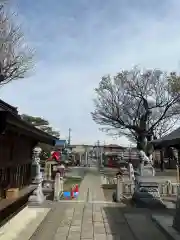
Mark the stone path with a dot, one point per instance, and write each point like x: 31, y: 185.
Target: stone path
x: 90, y: 189
x: 94, y: 221
x: 90, y: 217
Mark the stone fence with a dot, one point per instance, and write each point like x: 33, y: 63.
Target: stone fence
x: 127, y: 187
x: 165, y: 189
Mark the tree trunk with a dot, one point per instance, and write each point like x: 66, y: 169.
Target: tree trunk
x: 162, y: 160
x: 142, y: 143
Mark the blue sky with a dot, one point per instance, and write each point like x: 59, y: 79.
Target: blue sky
x: 77, y: 42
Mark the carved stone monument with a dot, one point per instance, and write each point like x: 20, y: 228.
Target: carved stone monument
x: 36, y: 168
x: 145, y: 167
x: 146, y: 191
x: 37, y: 197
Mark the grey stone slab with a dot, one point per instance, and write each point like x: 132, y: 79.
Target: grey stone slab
x: 87, y: 238
x: 61, y: 234
x: 58, y: 237
x: 98, y: 214
x: 70, y: 212
x: 27, y: 232
x: 73, y: 236
x: 165, y: 223
x: 114, y: 237
x: 143, y: 227
x: 87, y: 215
x: 98, y: 219
x: 97, y: 208
x: 100, y: 237
x: 99, y: 230
x: 89, y: 212
x: 109, y: 230
x: 87, y: 234
x: 63, y: 230
x: 88, y: 228
x: 75, y: 228
x: 98, y: 224
x: 76, y: 222
x: 87, y: 221
x: 65, y: 222
x: 77, y: 216
x: 105, y: 220
x: 48, y: 228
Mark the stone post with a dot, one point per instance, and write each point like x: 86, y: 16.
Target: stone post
x: 86, y: 157
x: 80, y: 158
x: 119, y: 189
x: 101, y: 156
x: 57, y: 187
x: 62, y: 184
x: 176, y: 222
x: 47, y: 171
x: 131, y: 172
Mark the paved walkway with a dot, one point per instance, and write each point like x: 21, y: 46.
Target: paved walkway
x: 90, y: 217
x: 90, y: 189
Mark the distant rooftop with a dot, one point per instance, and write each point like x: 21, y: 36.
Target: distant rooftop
x: 60, y: 143
x: 105, y: 146
x: 7, y: 107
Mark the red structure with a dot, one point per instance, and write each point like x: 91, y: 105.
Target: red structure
x: 56, y: 156
x: 112, y: 151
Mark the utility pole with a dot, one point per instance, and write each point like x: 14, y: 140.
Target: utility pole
x: 69, y: 138
x: 98, y: 153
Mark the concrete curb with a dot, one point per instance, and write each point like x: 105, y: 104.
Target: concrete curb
x: 164, y: 222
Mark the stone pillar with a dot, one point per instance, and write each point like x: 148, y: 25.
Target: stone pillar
x: 57, y: 187
x: 86, y: 157
x: 62, y: 184
x: 101, y: 157
x: 119, y: 189
x: 131, y: 172
x: 47, y: 171
x: 176, y: 222
x: 80, y: 158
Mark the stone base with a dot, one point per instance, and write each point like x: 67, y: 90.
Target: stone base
x: 37, y: 197
x: 142, y: 201
x: 35, y: 200
x: 146, y: 193
x: 37, y: 180
x: 165, y: 223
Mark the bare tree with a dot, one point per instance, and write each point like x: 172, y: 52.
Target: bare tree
x: 137, y: 104
x: 15, y: 56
